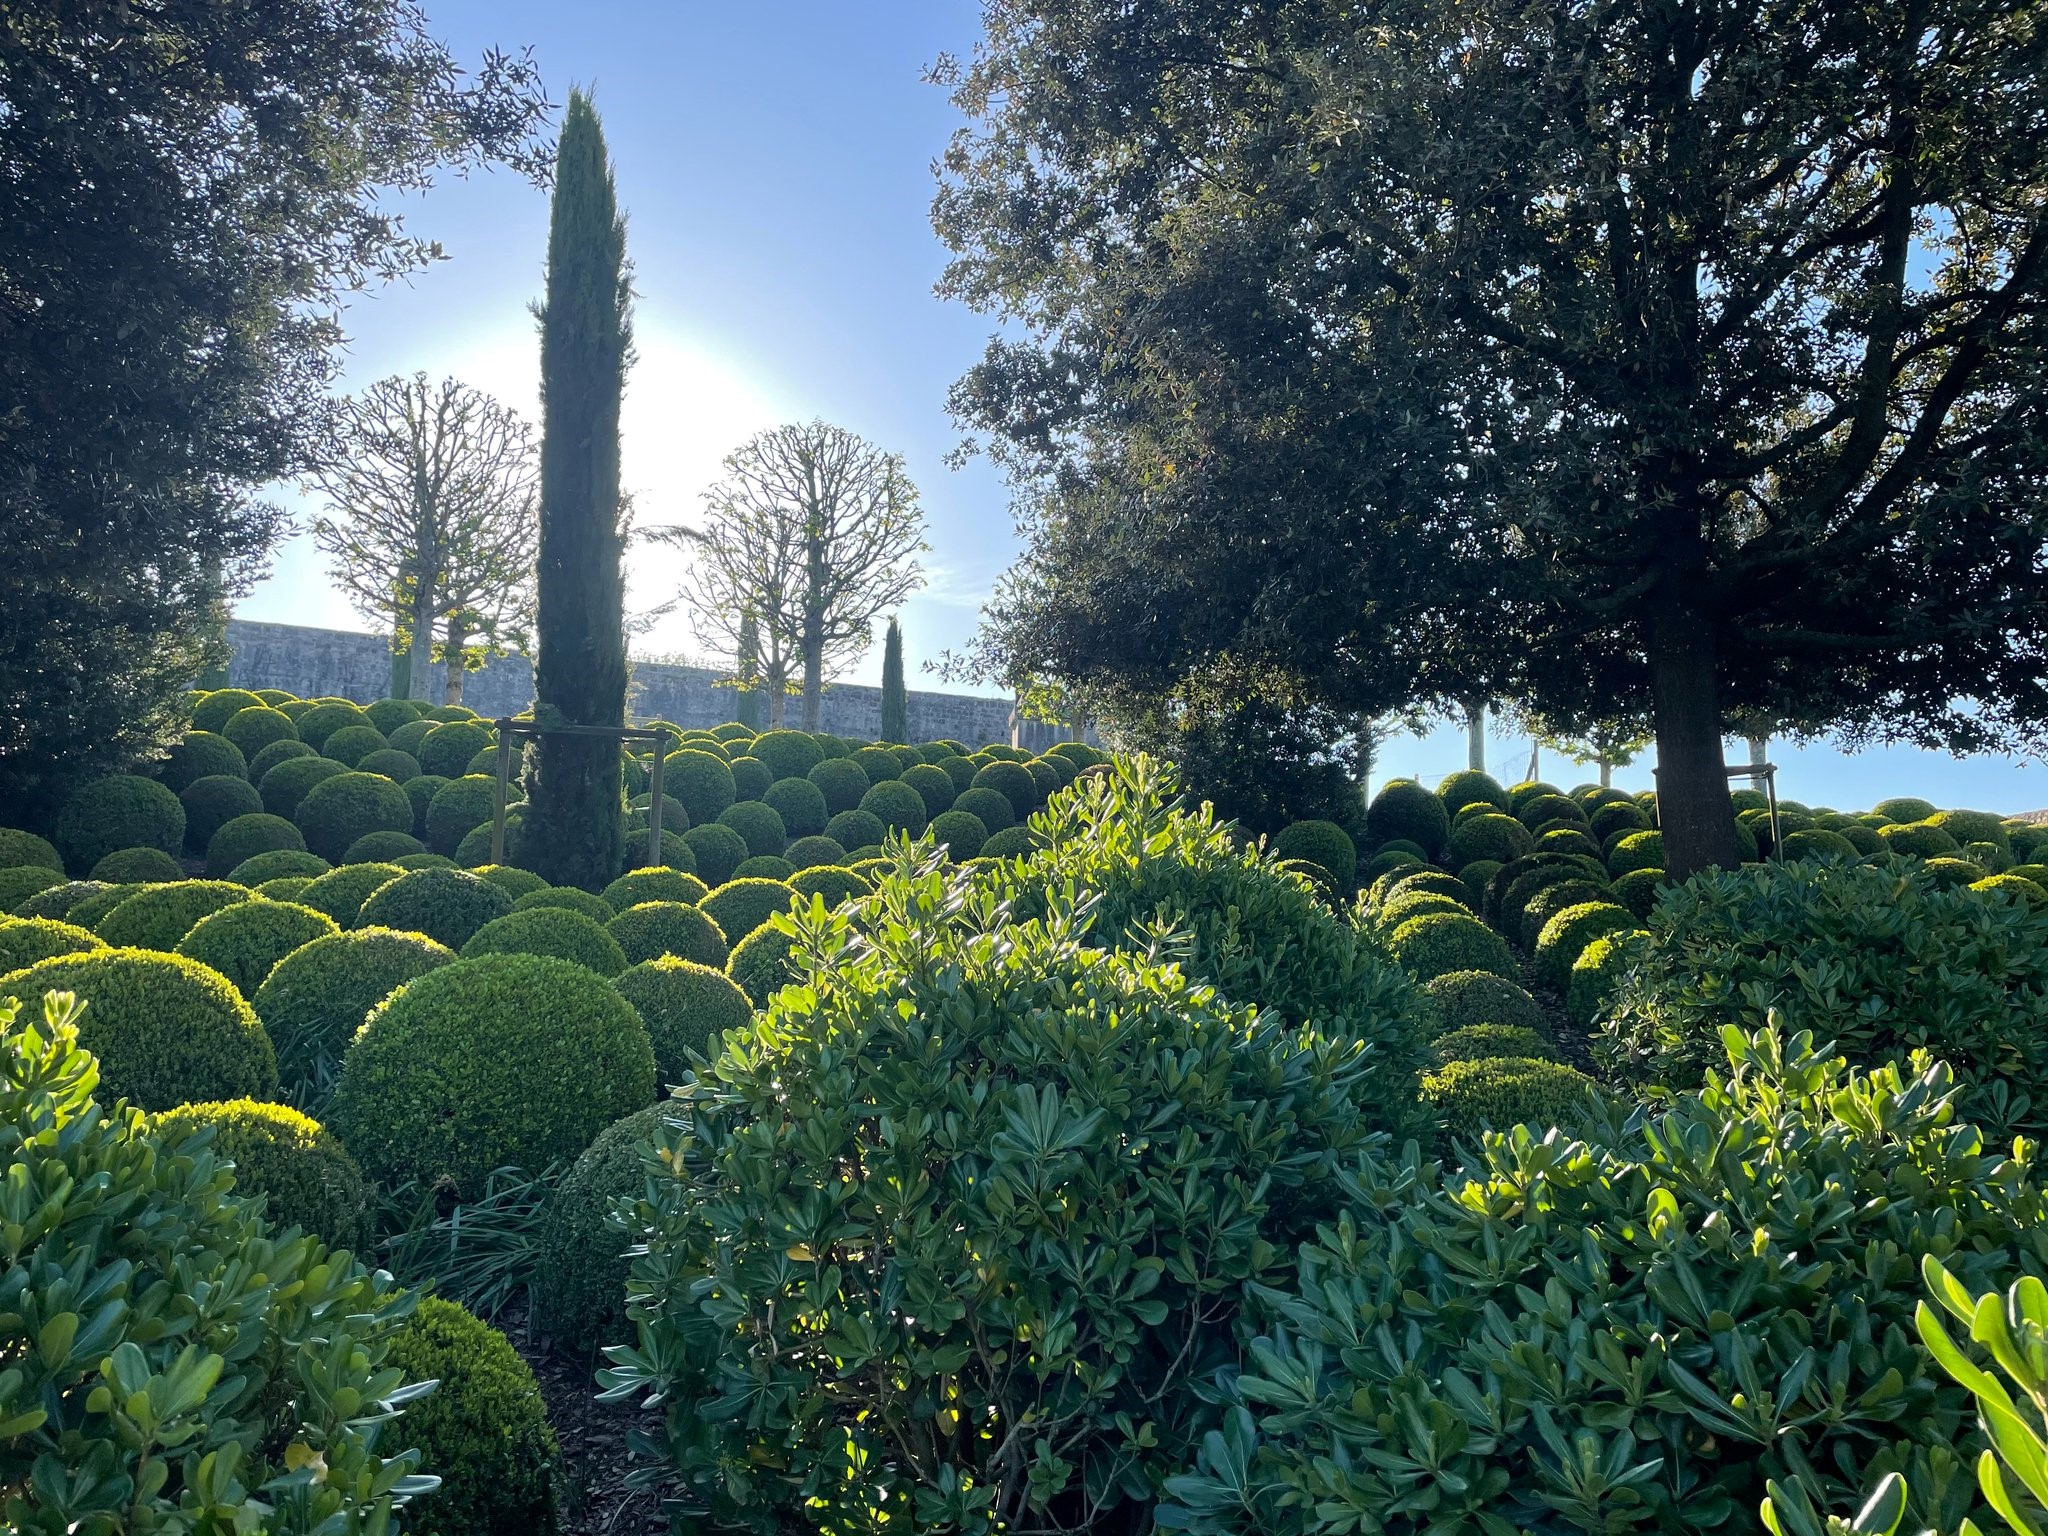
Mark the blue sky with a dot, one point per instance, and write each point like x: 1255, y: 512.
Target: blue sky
x: 774, y: 159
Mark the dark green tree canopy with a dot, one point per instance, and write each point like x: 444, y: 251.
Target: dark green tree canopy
x: 185, y: 191
x: 1637, y: 361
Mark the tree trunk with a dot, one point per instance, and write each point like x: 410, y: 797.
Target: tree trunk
x: 814, y: 681
x: 452, y: 648
x: 1607, y: 773
x: 401, y: 672
x: 778, y: 695
x: 1475, y: 736
x: 423, y: 616
x: 1693, y: 809
x: 1759, y: 754
x: 1535, y: 761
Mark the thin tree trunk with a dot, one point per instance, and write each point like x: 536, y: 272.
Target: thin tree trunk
x: 1607, y: 773
x: 423, y: 600
x: 814, y: 681
x: 1759, y: 754
x: 1535, y: 762
x: 1693, y: 809
x: 778, y: 694
x: 1475, y: 736
x: 452, y: 648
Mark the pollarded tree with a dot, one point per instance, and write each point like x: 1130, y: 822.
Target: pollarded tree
x: 185, y: 194
x: 741, y: 588
x: 575, y: 794
x: 1696, y: 348
x: 432, y: 524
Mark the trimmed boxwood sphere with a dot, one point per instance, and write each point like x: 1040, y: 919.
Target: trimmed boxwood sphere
x: 686, y: 1007
x: 302, y: 1172
x: 579, y: 1282
x: 1398, y: 909
x: 569, y: 899
x: 407, y: 737
x: 1469, y: 786
x: 1502, y: 1092
x: 840, y: 781
x: 277, y: 752
x: 63, y: 899
x: 1485, y: 1042
x: 549, y: 931
x: 760, y: 964
x: 788, y: 754
x: 1462, y: 999
x: 324, y: 719
x: 123, y: 811
x: 741, y: 906
x: 420, y: 791
x: 701, y: 780
x: 352, y: 743
x: 810, y: 852
x: 245, y: 939
x: 1538, y: 811
x: 1637, y: 890
x: 1816, y: 843
x: 138, y: 866
x: 340, y: 893
x: 877, y: 764
x: 750, y: 778
x: 284, y: 887
x: 22, y: 881
x: 1320, y: 842
x: 1440, y: 942
x: 1638, y: 850
x: 1618, y: 816
x: 758, y: 825
x: 382, y: 848
x: 337, y: 812
x: 1595, y: 974
x: 450, y: 712
x: 289, y: 782
x: 1565, y: 937
x: 201, y: 755
x: 216, y: 707
x: 800, y: 804
x: 447, y: 905
x: 989, y: 807
x: 764, y: 866
x: 245, y: 837
x: 483, y: 1431
x: 654, y: 884
x: 19, y: 849
x: 212, y: 802
x: 1404, y: 811
x: 1919, y: 839
x: 401, y: 768
x: 458, y: 808
x: 503, y: 1060
x: 1045, y: 776
x: 857, y: 829
x: 651, y: 929
x: 90, y: 910
x: 960, y: 771
x: 960, y: 833
x: 316, y: 998
x: 896, y: 805
x: 389, y: 714
x: 932, y: 786
x: 447, y: 748
x: 486, y: 763
x: 26, y: 940
x: 829, y: 881
x: 158, y: 916
x: 167, y: 1030
x: 277, y: 864
x: 718, y: 850
x: 1009, y: 843
x: 1013, y: 783
x: 1559, y: 837
x: 513, y: 882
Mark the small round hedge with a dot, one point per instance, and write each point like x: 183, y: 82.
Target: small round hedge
x: 277, y: 864
x: 760, y: 964
x: 288, y: 783
x: 897, y: 806
x: 216, y: 707
x: 399, y: 767
x: 1321, y: 842
x: 1463, y: 999
x: 502, y: 1060
x: 483, y: 1431
x: 138, y: 866
x: 1919, y: 839
x: 24, y: 850
x: 758, y: 825
x: 549, y: 931
x: 22, y: 881
x: 718, y: 851
x: 212, y: 802
x: 741, y: 906
x: 840, y: 781
x: 1440, y: 942
x: 1505, y: 1091
x: 159, y: 916
x: 788, y: 754
x: 382, y: 848
x: 245, y: 837
x: 1436, y: 881
x: 1637, y: 890
x: 878, y: 765
x: 316, y: 998
x: 1396, y: 910
x: 1902, y: 809
x: 277, y: 752
x: 799, y: 804
x: 1489, y: 836
x: 1469, y: 786
x: 421, y: 791
x: 25, y: 941
x: 324, y: 719
x: 686, y: 1007
x: 447, y: 905
x: 448, y: 747
x: 831, y: 882
x: 1010, y: 843
x: 202, y: 755
x: 123, y: 811
x: 340, y: 893
x: 650, y: 929
x: 513, y: 882
x: 1013, y: 782
x: 859, y: 829
x: 960, y: 833
x: 1565, y: 937
x: 701, y: 780
x: 764, y: 866
x: 1407, y: 812
x: 1617, y: 817
x: 352, y: 743
x: 814, y: 852
x: 750, y: 778
x: 90, y: 911
x: 2024, y: 887
x: 933, y: 785
x: 458, y: 808
x: 960, y: 771
x: 284, y: 887
x: 167, y: 1030
x: 1553, y: 899
x: 568, y: 898
x: 407, y: 738
x: 61, y: 900
x: 1484, y: 1042
x: 302, y: 1172
x: 1816, y: 843
x: 986, y: 806
x: 1952, y: 874
x: 389, y: 714
x: 654, y: 884
x: 1595, y: 974
x: 579, y: 1283
x: 1638, y: 850
x: 338, y: 812
x: 245, y: 939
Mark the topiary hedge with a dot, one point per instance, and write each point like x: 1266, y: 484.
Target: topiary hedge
x: 340, y: 893
x: 741, y: 906
x: 788, y: 754
x: 579, y: 1283
x: 244, y: 940
x: 202, y: 755
x: 654, y: 884
x: 761, y: 964
x: 284, y: 786
x: 686, y: 1007
x: 1638, y: 850
x: 831, y: 883
x: 1486, y: 1042
x: 960, y: 833
x: 877, y: 764
x: 549, y: 931
x: 1492, y: 837
x: 1463, y: 999
x: 1920, y: 840
x: 277, y: 752
x: 212, y: 802
x: 1320, y: 842
x: 1565, y: 936
x: 25, y: 880
x: 1012, y: 782
x: 1405, y: 811
x: 447, y: 905
x: 758, y: 826
x: 327, y: 717
x: 26, y: 940
x: 458, y: 808
x: 118, y: 812
x: 399, y: 767
x: 25, y: 850
x: 812, y: 852
x: 316, y: 998
x: 158, y: 916
x: 840, y: 781
x: 1553, y: 899
x: 352, y: 743
x: 502, y: 1060
x: 897, y: 806
x: 1471, y: 787
x: 138, y: 866
x: 303, y: 1174
x: 166, y: 1030
x: 446, y: 750
x: 1597, y: 972
x: 337, y: 812
x: 702, y: 781
x: 1501, y: 1092
x: 1438, y: 943
x: 245, y: 837
x: 651, y: 929
x: 212, y: 710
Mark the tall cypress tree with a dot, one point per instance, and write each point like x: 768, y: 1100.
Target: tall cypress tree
x: 895, y: 700
x: 574, y: 832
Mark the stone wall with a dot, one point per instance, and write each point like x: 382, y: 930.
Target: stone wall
x: 321, y: 663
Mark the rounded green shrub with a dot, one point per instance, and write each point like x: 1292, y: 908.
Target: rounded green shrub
x: 159, y: 916
x: 960, y: 833
x: 486, y: 763
x: 447, y: 749
x: 1469, y: 786
x: 1954, y: 873
x: 91, y: 910
x: 758, y: 826
x: 303, y: 1174
x: 896, y: 805
x: 1320, y: 842
x: 483, y: 1431
x: 1538, y: 811
x: 244, y: 837
x: 24, y: 941
x: 502, y: 1060
x: 579, y: 1284
x: 1596, y: 973
x: 166, y: 1030
x: 1435, y: 881
x: 459, y: 807
x: 352, y: 743
x: 277, y: 864
x: 1521, y: 794
x: 702, y: 781
x: 1919, y: 839
x: 1904, y: 809
x: 246, y: 938
x: 1502, y: 1092
x: 1973, y: 827
x: 1009, y: 843
x: 799, y: 804
x: 717, y: 849
x: 1816, y: 843
x: 878, y: 765
x: 1553, y: 899
x: 831, y: 882
x: 513, y: 882
x: 814, y: 852
x: 1405, y: 811
x: 277, y: 752
x: 859, y: 829
x: 549, y: 931
x: 24, y: 850
x: 400, y: 768
x: 383, y: 848
x: 650, y: 929
x: 216, y: 707
x: 447, y: 905
x: 137, y: 866
x: 741, y: 906
x: 1398, y: 909
x: 1046, y: 777
x: 841, y: 781
x: 1464, y: 999
x: 1637, y: 890
x: 2023, y: 887
x: 961, y: 771
x: 316, y: 998
x: 1440, y: 942
x: 1565, y: 937
x: 339, y: 811
x: 389, y: 714
x: 62, y: 899
x: 1011, y: 781
x: 284, y: 887
x: 407, y: 738
x: 750, y: 778
x: 340, y: 893
x: 1484, y: 1042
x: 1558, y: 837
x: 1616, y: 817
x: 1510, y: 891
x: 289, y: 782
x: 202, y: 755
x: 992, y: 809
x: 21, y: 881
x: 326, y: 718
x: 933, y: 785
x: 1638, y: 850
x: 761, y: 964
x: 211, y: 803
x: 788, y: 754
x: 764, y: 866
x: 450, y: 712
x: 123, y: 811
x: 641, y: 885
x: 1491, y: 837
x: 421, y: 790
x: 686, y: 1007
x: 296, y: 709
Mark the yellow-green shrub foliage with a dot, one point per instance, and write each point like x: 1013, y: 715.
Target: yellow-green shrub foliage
x: 831, y: 881
x: 158, y: 916
x: 447, y: 905
x: 19, y: 848
x: 1460, y: 999
x: 760, y: 964
x: 1565, y: 937
x: 1598, y: 971
x: 654, y: 884
x: 741, y: 906
x: 166, y: 1030
x: 245, y: 940
x: 569, y: 899
x: 1483, y: 1042
x: 686, y: 1007
x: 1438, y: 943
x: 1501, y: 1092
x: 655, y: 928
x: 504, y: 1060
x: 316, y: 998
x: 304, y: 1173
x: 25, y: 940
x: 549, y: 931
x: 244, y: 837
x: 340, y: 893
x: 579, y: 1284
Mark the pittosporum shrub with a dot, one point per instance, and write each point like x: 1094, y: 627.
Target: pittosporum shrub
x: 1877, y: 957
x: 158, y: 916
x: 1636, y: 1333
x: 202, y: 755
x: 186, y: 1361
x: 166, y: 1030
x: 245, y: 939
x: 503, y: 1060
x: 138, y: 866
x: 651, y: 929
x: 26, y: 940
x: 1404, y: 811
x: 549, y: 931
x: 579, y: 1283
x: 447, y: 905
x: 317, y: 997
x: 483, y: 1431
x: 1462, y: 999
x: 302, y: 1172
x: 1010, y: 1141
x: 118, y: 812
x: 686, y: 1008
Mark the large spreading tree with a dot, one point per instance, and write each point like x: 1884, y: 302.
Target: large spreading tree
x: 185, y: 193
x: 1661, y: 361
x: 574, y: 826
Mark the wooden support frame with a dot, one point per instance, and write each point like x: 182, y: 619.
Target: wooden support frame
x: 508, y: 729
x: 1768, y: 772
